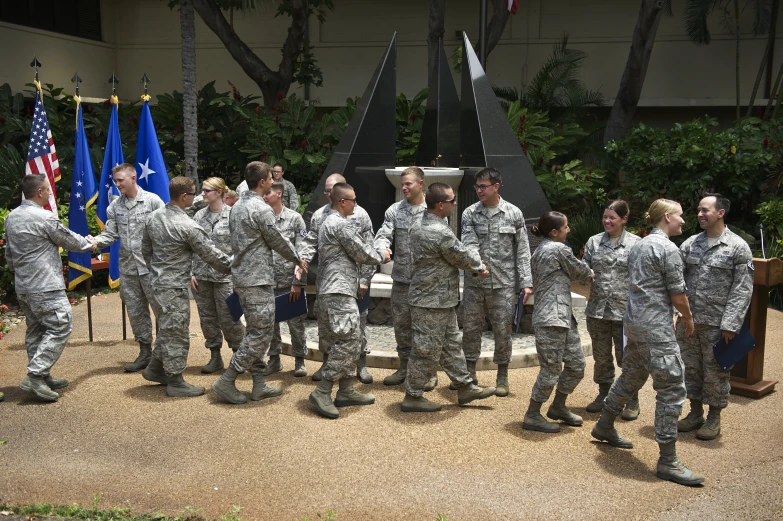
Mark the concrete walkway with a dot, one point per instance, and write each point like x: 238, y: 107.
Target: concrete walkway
x: 115, y: 435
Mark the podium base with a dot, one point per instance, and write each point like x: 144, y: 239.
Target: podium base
x: 756, y: 390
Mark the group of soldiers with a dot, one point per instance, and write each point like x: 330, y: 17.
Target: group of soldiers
x: 260, y: 248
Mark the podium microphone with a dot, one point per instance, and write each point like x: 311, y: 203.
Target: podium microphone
x: 761, y: 229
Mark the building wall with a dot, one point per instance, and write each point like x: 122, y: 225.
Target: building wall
x: 144, y: 36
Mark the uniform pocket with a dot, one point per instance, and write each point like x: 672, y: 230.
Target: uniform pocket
x: 564, y: 308
x: 343, y: 324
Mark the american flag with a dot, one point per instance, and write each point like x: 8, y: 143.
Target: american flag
x: 41, y: 156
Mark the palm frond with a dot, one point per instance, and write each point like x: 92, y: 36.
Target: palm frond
x: 695, y: 19
x: 762, y: 15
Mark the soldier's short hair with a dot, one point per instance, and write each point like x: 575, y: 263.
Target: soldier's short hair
x: 180, y: 185
x: 231, y: 194
x: 31, y: 183
x: 278, y: 186
x: 548, y: 222
x: 125, y: 168
x: 619, y: 207
x: 721, y: 202
x: 489, y: 174
x: 280, y: 165
x: 339, y: 191
x: 414, y: 170
x: 436, y: 193
x: 255, y: 172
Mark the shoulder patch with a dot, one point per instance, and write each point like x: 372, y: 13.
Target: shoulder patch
x: 454, y: 248
x: 303, y: 232
x: 751, y: 266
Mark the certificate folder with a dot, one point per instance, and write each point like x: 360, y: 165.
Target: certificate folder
x: 232, y: 301
x: 364, y: 303
x: 284, y: 310
x: 729, y: 354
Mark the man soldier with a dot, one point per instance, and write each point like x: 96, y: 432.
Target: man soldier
x: 292, y: 227
x: 434, y: 294
x: 497, y: 229
x: 126, y: 218
x: 401, y: 219
x: 290, y: 197
x: 253, y: 238
x: 307, y: 250
x: 719, y: 281
x: 169, y: 241
x: 31, y: 251
x: 340, y: 251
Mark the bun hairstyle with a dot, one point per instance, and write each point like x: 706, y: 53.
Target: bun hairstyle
x: 548, y: 222
x: 659, y: 208
x: 619, y: 207
x: 216, y: 183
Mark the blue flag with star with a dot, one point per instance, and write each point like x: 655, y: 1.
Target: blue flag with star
x: 83, y: 195
x: 107, y: 192
x: 151, y: 172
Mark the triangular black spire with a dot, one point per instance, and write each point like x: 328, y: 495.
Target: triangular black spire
x: 439, y: 145
x: 486, y: 139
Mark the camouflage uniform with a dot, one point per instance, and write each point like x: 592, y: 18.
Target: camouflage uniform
x: 400, y: 221
x: 253, y: 238
x: 290, y: 197
x: 608, y: 296
x: 434, y: 294
x: 292, y: 227
x: 341, y: 249
x: 500, y: 235
x: 126, y: 221
x: 309, y: 247
x: 214, y: 287
x: 720, y: 285
x: 557, y: 337
x: 31, y: 252
x: 656, y: 273
x: 170, y: 239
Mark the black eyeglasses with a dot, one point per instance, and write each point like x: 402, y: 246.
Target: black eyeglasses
x: 193, y: 194
x: 346, y: 199
x: 481, y: 188
x: 205, y: 191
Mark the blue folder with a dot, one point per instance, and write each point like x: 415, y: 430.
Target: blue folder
x: 364, y: 303
x: 232, y: 301
x: 729, y: 354
x: 284, y: 310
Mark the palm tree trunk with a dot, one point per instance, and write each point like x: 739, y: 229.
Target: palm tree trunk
x: 187, y: 20
x: 737, y: 65
x: 765, y: 59
x: 437, y: 8
x: 632, y: 81
x: 773, y: 93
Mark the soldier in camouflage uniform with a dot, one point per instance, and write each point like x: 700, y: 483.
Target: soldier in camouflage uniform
x: 33, y: 235
x: 497, y: 229
x: 292, y: 227
x: 400, y: 220
x: 309, y: 247
x: 126, y: 218
x: 557, y: 337
x: 290, y: 197
x: 170, y: 240
x: 210, y: 287
x: 434, y: 294
x: 253, y: 238
x: 719, y: 278
x: 657, y: 284
x: 607, y: 254
x: 341, y: 249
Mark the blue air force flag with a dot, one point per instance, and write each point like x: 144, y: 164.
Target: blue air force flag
x: 151, y: 172
x: 83, y: 195
x: 107, y: 192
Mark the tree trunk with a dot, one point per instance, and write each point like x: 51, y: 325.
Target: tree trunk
x: 737, y: 64
x: 632, y: 81
x: 272, y: 83
x: 437, y: 8
x: 187, y: 20
x: 775, y: 92
x: 764, y: 61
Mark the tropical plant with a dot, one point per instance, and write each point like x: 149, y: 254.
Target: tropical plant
x: 410, y: 119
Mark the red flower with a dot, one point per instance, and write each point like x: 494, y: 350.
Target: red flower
x: 766, y: 141
x: 279, y: 96
x: 235, y: 92
x: 304, y: 145
x: 557, y: 168
x: 107, y: 103
x: 1, y: 335
x: 264, y: 155
x: 524, y: 149
x: 587, y: 178
x: 2, y: 242
x: 413, y: 117
x: 72, y: 300
x: 258, y: 109
x: 330, y: 146
x: 277, y: 120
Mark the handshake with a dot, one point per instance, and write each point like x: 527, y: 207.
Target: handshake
x: 93, y: 241
x: 483, y: 273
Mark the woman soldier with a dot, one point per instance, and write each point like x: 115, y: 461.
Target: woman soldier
x: 607, y: 254
x: 211, y: 288
x: 557, y: 338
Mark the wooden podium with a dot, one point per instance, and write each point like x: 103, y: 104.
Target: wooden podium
x: 747, y: 376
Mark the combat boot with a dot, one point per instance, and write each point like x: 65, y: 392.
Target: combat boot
x: 2, y: 397
x: 501, y: 386
x: 695, y: 418
x: 37, y: 386
x: 299, y: 367
x: 179, y: 388
x: 318, y: 375
x: 215, y: 363
x: 398, y: 376
x: 671, y: 468
x: 142, y: 361
x: 711, y: 428
x: 273, y: 366
x: 631, y: 410
x: 473, y: 392
x: 226, y: 387
x: 604, y: 431
x: 348, y: 395
x: 261, y: 390
x: 559, y: 411
x: 432, y: 383
x: 598, y: 404
x: 533, y: 420
x: 472, y: 370
x: 321, y: 397
x: 154, y: 372
x: 419, y: 404
x: 55, y: 383
x: 361, y: 370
